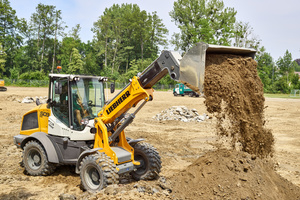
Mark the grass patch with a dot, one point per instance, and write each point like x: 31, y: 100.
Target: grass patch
x: 286, y: 96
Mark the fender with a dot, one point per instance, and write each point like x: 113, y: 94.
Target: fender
x: 132, y: 142
x: 47, y: 144
x: 82, y: 155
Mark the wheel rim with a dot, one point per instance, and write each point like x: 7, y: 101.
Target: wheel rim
x: 93, y: 177
x: 143, y: 168
x: 34, y: 159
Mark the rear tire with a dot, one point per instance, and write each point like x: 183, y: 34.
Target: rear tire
x: 97, y: 171
x: 175, y: 94
x: 150, y: 161
x: 191, y: 94
x: 35, y: 160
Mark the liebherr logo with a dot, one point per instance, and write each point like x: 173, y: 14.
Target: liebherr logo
x: 118, y: 102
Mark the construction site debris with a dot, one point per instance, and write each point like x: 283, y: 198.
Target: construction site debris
x: 28, y: 100
x: 180, y: 113
x: 32, y: 100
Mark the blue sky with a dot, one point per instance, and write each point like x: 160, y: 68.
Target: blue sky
x: 274, y: 22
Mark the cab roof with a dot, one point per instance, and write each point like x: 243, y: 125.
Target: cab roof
x: 73, y: 76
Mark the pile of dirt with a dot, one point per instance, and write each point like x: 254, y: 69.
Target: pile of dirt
x: 230, y: 174
x: 234, y: 94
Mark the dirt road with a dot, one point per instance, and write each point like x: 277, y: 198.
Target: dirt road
x: 180, y: 144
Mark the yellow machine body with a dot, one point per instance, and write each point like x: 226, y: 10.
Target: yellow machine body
x: 126, y: 99
x: 2, y: 84
x: 41, y: 113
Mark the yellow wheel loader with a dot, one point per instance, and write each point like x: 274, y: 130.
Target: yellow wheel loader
x: 2, y: 88
x: 77, y: 126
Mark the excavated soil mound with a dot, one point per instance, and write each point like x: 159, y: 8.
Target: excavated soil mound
x: 234, y: 94
x: 227, y: 174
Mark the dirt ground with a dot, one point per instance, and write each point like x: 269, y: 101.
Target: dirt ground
x: 182, y: 146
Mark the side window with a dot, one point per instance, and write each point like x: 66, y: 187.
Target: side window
x: 60, y: 107
x: 77, y: 100
x: 96, y: 98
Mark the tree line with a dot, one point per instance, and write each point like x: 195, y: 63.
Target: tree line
x: 127, y: 39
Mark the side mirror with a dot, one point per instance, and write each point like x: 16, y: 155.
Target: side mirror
x: 112, y: 87
x: 58, y: 88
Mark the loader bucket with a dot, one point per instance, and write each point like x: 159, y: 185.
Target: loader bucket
x: 192, y: 65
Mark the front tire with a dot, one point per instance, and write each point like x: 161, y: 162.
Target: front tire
x: 150, y: 161
x: 35, y: 160
x: 97, y: 171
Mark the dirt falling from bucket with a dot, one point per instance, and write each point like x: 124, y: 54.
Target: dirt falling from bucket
x: 234, y: 94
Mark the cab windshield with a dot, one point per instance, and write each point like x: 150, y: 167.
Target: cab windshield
x: 87, y: 97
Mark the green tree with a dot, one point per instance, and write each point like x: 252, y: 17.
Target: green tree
x: 14, y: 73
x: 35, y: 75
x: 125, y: 33
x: 58, y: 32
x: 295, y: 81
x: 133, y: 71
x: 266, y: 69
x: 141, y: 34
x: 2, y: 60
x: 69, y: 42
x: 157, y: 35
x: 91, y: 65
x: 286, y: 67
x: 10, y: 36
x: 76, y: 64
x: 297, y: 67
x: 46, y: 23
x: 103, y: 33
x: 244, y: 36
x: 202, y: 21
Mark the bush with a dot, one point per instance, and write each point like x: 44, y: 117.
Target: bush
x: 26, y: 83
x: 36, y: 75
